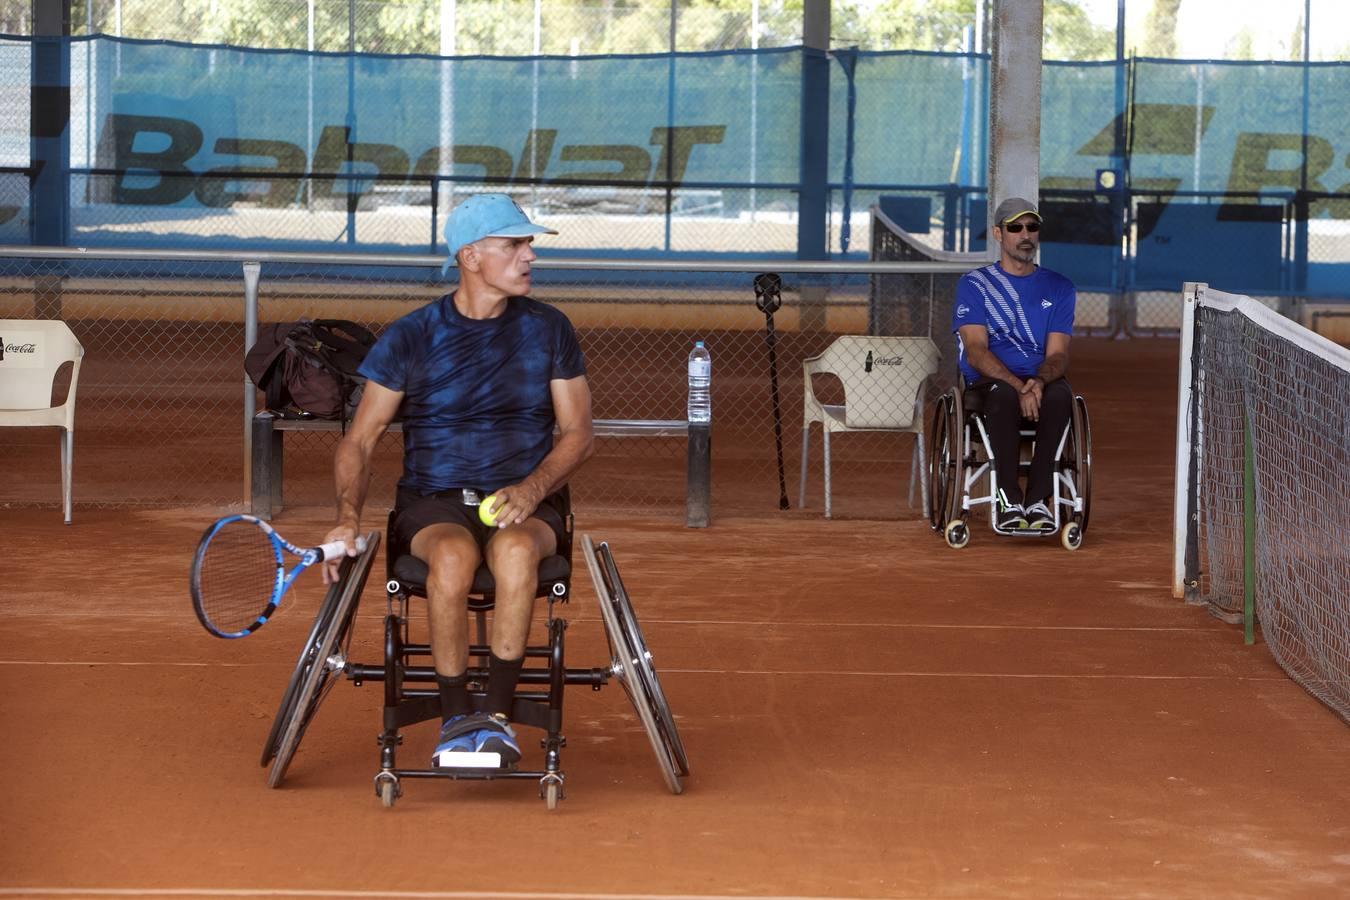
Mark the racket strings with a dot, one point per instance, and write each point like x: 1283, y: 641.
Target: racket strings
x: 238, y: 576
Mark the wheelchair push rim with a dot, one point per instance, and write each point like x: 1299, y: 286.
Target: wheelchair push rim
x: 1082, y: 445
x: 945, y: 462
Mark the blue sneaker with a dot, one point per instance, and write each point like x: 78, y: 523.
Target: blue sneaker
x: 458, y: 735
x: 497, y: 737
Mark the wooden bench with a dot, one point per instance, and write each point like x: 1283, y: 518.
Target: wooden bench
x: 267, y: 474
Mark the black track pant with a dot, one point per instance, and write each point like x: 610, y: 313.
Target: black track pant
x: 1003, y: 418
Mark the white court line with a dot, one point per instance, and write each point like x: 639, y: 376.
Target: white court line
x: 87, y: 614
x: 413, y: 895
x: 1104, y: 676
x: 105, y: 662
x: 1107, y: 676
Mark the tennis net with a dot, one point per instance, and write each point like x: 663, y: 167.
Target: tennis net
x: 1263, y: 512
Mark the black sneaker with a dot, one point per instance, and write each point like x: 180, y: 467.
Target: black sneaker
x: 1039, y: 517
x: 496, y: 736
x: 1011, y: 516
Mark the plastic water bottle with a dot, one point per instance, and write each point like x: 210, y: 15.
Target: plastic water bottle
x: 700, y: 385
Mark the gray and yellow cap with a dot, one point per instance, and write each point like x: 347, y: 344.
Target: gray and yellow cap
x: 1012, y: 208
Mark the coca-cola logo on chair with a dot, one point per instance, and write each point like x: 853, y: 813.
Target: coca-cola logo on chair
x: 15, y: 348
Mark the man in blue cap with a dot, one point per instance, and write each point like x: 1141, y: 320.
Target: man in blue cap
x: 1013, y: 321
x: 479, y: 379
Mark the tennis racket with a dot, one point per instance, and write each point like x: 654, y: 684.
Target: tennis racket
x: 239, y: 573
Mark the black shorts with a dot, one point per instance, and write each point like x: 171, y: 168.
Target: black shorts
x: 414, y: 511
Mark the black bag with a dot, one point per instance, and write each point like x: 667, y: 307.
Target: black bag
x: 308, y: 368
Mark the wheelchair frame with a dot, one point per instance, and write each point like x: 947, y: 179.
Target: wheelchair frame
x: 538, y: 702
x: 956, y: 467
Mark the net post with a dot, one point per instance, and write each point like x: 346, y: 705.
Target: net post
x: 1248, y: 533
x: 1183, y: 509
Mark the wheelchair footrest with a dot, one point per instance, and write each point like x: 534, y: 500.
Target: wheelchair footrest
x: 468, y: 759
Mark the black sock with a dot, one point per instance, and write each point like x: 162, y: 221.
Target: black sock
x: 454, y: 695
x: 503, y: 676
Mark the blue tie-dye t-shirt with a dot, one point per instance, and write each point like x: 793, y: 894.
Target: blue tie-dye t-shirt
x: 1019, y: 311
x: 477, y: 410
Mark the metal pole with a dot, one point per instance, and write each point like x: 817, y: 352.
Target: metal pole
x: 447, y: 135
x: 353, y: 196
x: 309, y: 101
x: 534, y: 106
x: 252, y: 270
x: 670, y: 122
x: 754, y: 103
x: 1302, y: 208
x: 1183, y: 524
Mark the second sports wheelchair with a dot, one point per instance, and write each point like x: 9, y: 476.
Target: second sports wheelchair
x: 410, y: 694
x: 963, y: 476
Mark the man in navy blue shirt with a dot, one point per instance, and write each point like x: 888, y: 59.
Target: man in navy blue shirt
x: 1013, y: 321
x: 479, y: 379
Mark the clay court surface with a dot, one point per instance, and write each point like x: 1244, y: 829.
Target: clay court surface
x: 867, y: 714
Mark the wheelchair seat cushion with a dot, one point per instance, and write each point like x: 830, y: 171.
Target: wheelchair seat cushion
x: 411, y: 573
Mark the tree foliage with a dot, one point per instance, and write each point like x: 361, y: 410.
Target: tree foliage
x: 1070, y: 34
x: 1160, y: 29
x: 577, y: 27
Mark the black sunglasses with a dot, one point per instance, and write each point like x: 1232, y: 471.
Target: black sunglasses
x: 1015, y: 227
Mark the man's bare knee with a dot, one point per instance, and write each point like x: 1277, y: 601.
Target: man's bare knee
x: 513, y: 556
x: 451, y: 558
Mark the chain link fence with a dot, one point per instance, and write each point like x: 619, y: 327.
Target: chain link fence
x: 161, y: 417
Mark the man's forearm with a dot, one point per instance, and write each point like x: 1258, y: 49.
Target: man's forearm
x: 1052, y: 367
x: 573, y: 449
x: 983, y: 360
x: 351, y: 474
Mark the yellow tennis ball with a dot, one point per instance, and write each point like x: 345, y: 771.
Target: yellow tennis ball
x: 485, y: 513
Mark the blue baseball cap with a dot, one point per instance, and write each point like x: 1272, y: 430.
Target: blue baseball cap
x: 486, y: 215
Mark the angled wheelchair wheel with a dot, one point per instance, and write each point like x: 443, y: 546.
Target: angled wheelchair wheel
x: 624, y: 667
x: 322, y: 659
x: 644, y: 664
x: 298, y: 675
x: 1082, y: 457
x: 946, y: 463
x: 307, y: 651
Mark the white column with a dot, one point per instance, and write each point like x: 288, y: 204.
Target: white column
x: 1014, y: 106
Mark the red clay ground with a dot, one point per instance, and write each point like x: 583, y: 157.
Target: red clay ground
x: 867, y: 714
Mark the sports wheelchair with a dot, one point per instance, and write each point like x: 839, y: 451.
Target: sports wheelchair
x: 410, y: 694
x: 961, y: 458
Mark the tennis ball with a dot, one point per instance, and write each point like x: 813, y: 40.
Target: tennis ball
x: 485, y: 513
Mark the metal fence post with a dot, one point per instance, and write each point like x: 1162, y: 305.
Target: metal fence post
x: 252, y: 271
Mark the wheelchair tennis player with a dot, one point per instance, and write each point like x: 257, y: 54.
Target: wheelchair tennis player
x: 1013, y: 321
x: 479, y: 378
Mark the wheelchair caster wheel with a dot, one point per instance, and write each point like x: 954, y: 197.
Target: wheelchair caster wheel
x: 957, y: 534
x: 387, y: 787
x: 1071, y: 536
x: 550, y: 788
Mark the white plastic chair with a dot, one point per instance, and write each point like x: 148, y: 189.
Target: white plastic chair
x: 884, y: 382
x: 33, y: 351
